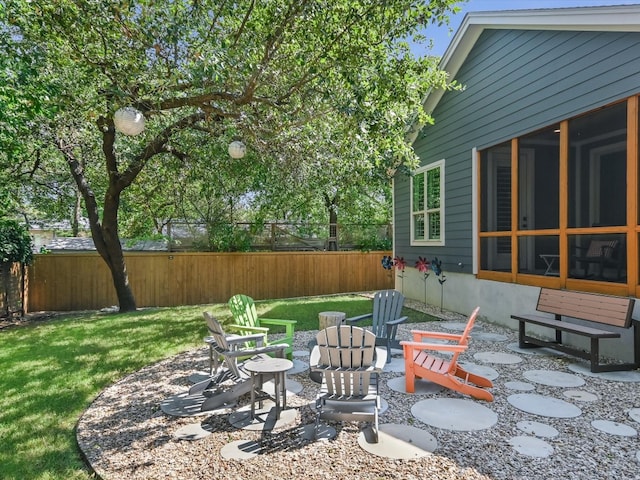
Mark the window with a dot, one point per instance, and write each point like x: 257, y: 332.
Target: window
x: 427, y: 205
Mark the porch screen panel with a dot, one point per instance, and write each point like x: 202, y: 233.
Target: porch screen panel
x: 496, y: 207
x: 539, y: 180
x: 598, y: 168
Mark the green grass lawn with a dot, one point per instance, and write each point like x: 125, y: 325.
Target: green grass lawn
x: 52, y: 371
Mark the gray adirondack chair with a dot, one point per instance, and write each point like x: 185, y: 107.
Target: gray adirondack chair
x: 350, y: 364
x: 225, y: 350
x: 386, y: 316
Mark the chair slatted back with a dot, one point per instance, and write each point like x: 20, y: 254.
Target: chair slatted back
x: 243, y: 309
x: 387, y: 305
x: 346, y: 354
x: 601, y: 248
x: 222, y: 346
x: 464, y: 338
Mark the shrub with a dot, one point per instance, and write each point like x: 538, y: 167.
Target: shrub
x: 15, y: 243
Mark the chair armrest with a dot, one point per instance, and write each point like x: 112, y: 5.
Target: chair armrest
x: 397, y: 321
x: 314, y: 357
x: 433, y: 346
x: 280, y: 347
x: 418, y: 335
x: 381, y: 359
x: 242, y: 328
x: 358, y: 318
x: 277, y: 321
x: 237, y: 339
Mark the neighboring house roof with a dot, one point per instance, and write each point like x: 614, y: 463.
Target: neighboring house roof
x: 620, y: 18
x: 76, y: 244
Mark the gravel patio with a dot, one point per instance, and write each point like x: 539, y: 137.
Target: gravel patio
x: 125, y: 435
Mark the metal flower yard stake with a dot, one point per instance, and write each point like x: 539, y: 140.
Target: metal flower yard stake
x: 436, y: 266
x: 423, y: 267
x: 400, y: 264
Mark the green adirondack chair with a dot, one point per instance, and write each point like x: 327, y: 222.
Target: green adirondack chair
x: 246, y: 321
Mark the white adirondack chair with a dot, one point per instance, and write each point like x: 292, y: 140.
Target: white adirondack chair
x: 350, y: 365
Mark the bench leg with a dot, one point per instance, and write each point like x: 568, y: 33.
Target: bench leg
x: 521, y: 342
x: 636, y: 344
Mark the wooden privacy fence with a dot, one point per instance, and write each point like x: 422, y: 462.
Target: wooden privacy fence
x: 67, y: 282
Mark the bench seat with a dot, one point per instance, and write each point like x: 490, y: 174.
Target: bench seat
x: 599, y: 309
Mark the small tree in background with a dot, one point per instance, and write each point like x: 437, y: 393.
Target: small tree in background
x: 15, y: 243
x: 15, y: 248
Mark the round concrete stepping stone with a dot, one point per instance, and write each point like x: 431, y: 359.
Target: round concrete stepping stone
x: 184, y: 405
x: 399, y: 442
x: 614, y: 428
x: 193, y: 431
x: 531, y: 446
x: 300, y: 353
x: 241, y: 450
x: 523, y: 386
x: 580, y: 395
x: 553, y: 378
x: 396, y: 351
x: 454, y: 414
x: 395, y: 365
x: 292, y: 386
x: 265, y: 418
x: 621, y: 376
x: 489, y: 337
x: 634, y: 413
x: 197, y: 377
x: 422, y: 387
x: 538, y: 429
x: 497, y: 357
x: 325, y: 432
x: 543, y: 351
x: 454, y: 326
x: 638, y: 456
x: 298, y: 366
x: 482, y: 370
x: 543, y: 406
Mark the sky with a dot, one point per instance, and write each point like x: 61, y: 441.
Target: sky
x: 442, y: 36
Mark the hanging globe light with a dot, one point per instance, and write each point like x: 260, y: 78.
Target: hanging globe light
x: 129, y: 121
x: 237, y: 149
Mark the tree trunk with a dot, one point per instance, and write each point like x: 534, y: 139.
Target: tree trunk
x: 107, y: 241
x: 118, y: 267
x: 332, y: 206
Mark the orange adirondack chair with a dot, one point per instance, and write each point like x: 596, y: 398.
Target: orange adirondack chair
x: 418, y: 362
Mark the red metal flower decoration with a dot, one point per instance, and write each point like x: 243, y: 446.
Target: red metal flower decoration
x: 399, y: 263
x: 423, y: 265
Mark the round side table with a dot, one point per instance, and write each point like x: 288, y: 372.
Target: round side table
x: 262, y: 366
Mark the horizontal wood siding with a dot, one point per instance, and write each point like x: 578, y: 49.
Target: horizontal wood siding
x: 67, y: 282
x: 516, y: 82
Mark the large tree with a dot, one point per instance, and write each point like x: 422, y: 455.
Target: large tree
x: 279, y: 74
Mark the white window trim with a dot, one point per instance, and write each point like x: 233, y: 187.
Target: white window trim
x: 440, y: 241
